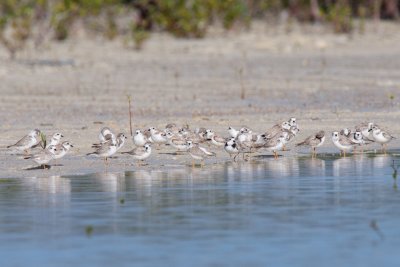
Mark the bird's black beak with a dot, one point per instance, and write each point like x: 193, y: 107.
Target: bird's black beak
x: 62, y: 135
x: 72, y: 146
x: 369, y: 130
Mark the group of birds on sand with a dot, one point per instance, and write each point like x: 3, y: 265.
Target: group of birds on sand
x: 243, y: 141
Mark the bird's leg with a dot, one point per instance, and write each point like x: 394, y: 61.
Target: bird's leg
x: 192, y: 163
x: 283, y: 148
x: 202, y: 164
x: 234, y: 158
x: 344, y: 153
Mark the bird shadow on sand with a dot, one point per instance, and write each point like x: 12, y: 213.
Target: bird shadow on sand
x: 264, y: 156
x: 172, y: 153
x: 42, y: 167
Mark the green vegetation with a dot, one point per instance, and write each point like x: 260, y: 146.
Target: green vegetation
x: 24, y: 20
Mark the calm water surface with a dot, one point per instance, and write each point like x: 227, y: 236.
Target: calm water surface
x: 286, y: 212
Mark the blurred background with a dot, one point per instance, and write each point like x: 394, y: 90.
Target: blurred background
x: 136, y: 20
x: 72, y: 64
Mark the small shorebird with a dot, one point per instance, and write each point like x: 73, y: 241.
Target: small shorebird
x: 62, y: 149
x: 140, y: 153
x: 106, y: 134
x: 381, y: 137
x: 292, y: 122
x: 157, y: 136
x: 314, y: 141
x: 342, y: 142
x: 44, y: 156
x: 365, y: 129
x: 232, y: 148
x: 105, y: 150
x: 215, y: 139
x: 177, y: 141
x: 139, y: 139
x: 198, y: 153
x: 233, y: 132
x: 275, y: 144
x: 28, y: 141
x: 120, y: 140
x: 277, y: 129
x: 55, y: 139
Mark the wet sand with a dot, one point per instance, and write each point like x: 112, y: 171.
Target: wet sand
x: 327, y: 81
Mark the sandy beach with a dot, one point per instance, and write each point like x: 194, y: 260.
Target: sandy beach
x: 326, y: 81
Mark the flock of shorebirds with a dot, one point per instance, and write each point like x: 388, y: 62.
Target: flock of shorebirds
x: 184, y: 140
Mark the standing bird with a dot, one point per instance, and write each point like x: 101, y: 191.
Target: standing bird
x: 365, y: 129
x: 233, y: 132
x: 105, y: 150
x: 198, y: 153
x: 232, y: 148
x: 140, y: 153
x: 44, y: 156
x: 139, y: 139
x: 120, y: 140
x: 381, y: 137
x: 62, y: 149
x: 55, y: 140
x: 275, y: 144
x: 106, y: 134
x: 28, y: 141
x: 342, y: 142
x: 314, y: 141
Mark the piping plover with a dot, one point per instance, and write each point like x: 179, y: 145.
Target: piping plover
x: 275, y: 144
x: 215, y: 139
x: 62, y: 149
x: 357, y: 137
x: 233, y: 132
x: 139, y: 139
x: 292, y: 122
x: 381, y: 137
x: 365, y: 128
x: 157, y: 136
x: 28, y: 141
x: 55, y: 139
x: 106, y: 134
x: 120, y: 140
x: 171, y: 127
x: 177, y: 141
x: 140, y: 153
x: 314, y: 141
x: 232, y: 148
x: 198, y: 153
x: 44, y: 156
x: 342, y: 142
x: 345, y: 132
x: 277, y: 129
x: 105, y: 150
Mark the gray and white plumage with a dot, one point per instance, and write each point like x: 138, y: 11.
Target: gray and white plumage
x: 106, y: 134
x: 380, y: 136
x: 314, y: 141
x: 140, y: 153
x: 197, y: 152
x: 28, y: 141
x: 44, y: 156
x: 139, y: 139
x: 342, y: 142
x: 62, y: 149
x: 55, y: 139
x: 105, y: 150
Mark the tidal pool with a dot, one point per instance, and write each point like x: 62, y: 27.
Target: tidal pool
x: 328, y: 211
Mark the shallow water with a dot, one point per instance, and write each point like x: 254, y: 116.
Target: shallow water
x: 286, y: 212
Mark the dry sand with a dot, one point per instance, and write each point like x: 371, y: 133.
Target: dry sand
x: 327, y: 81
